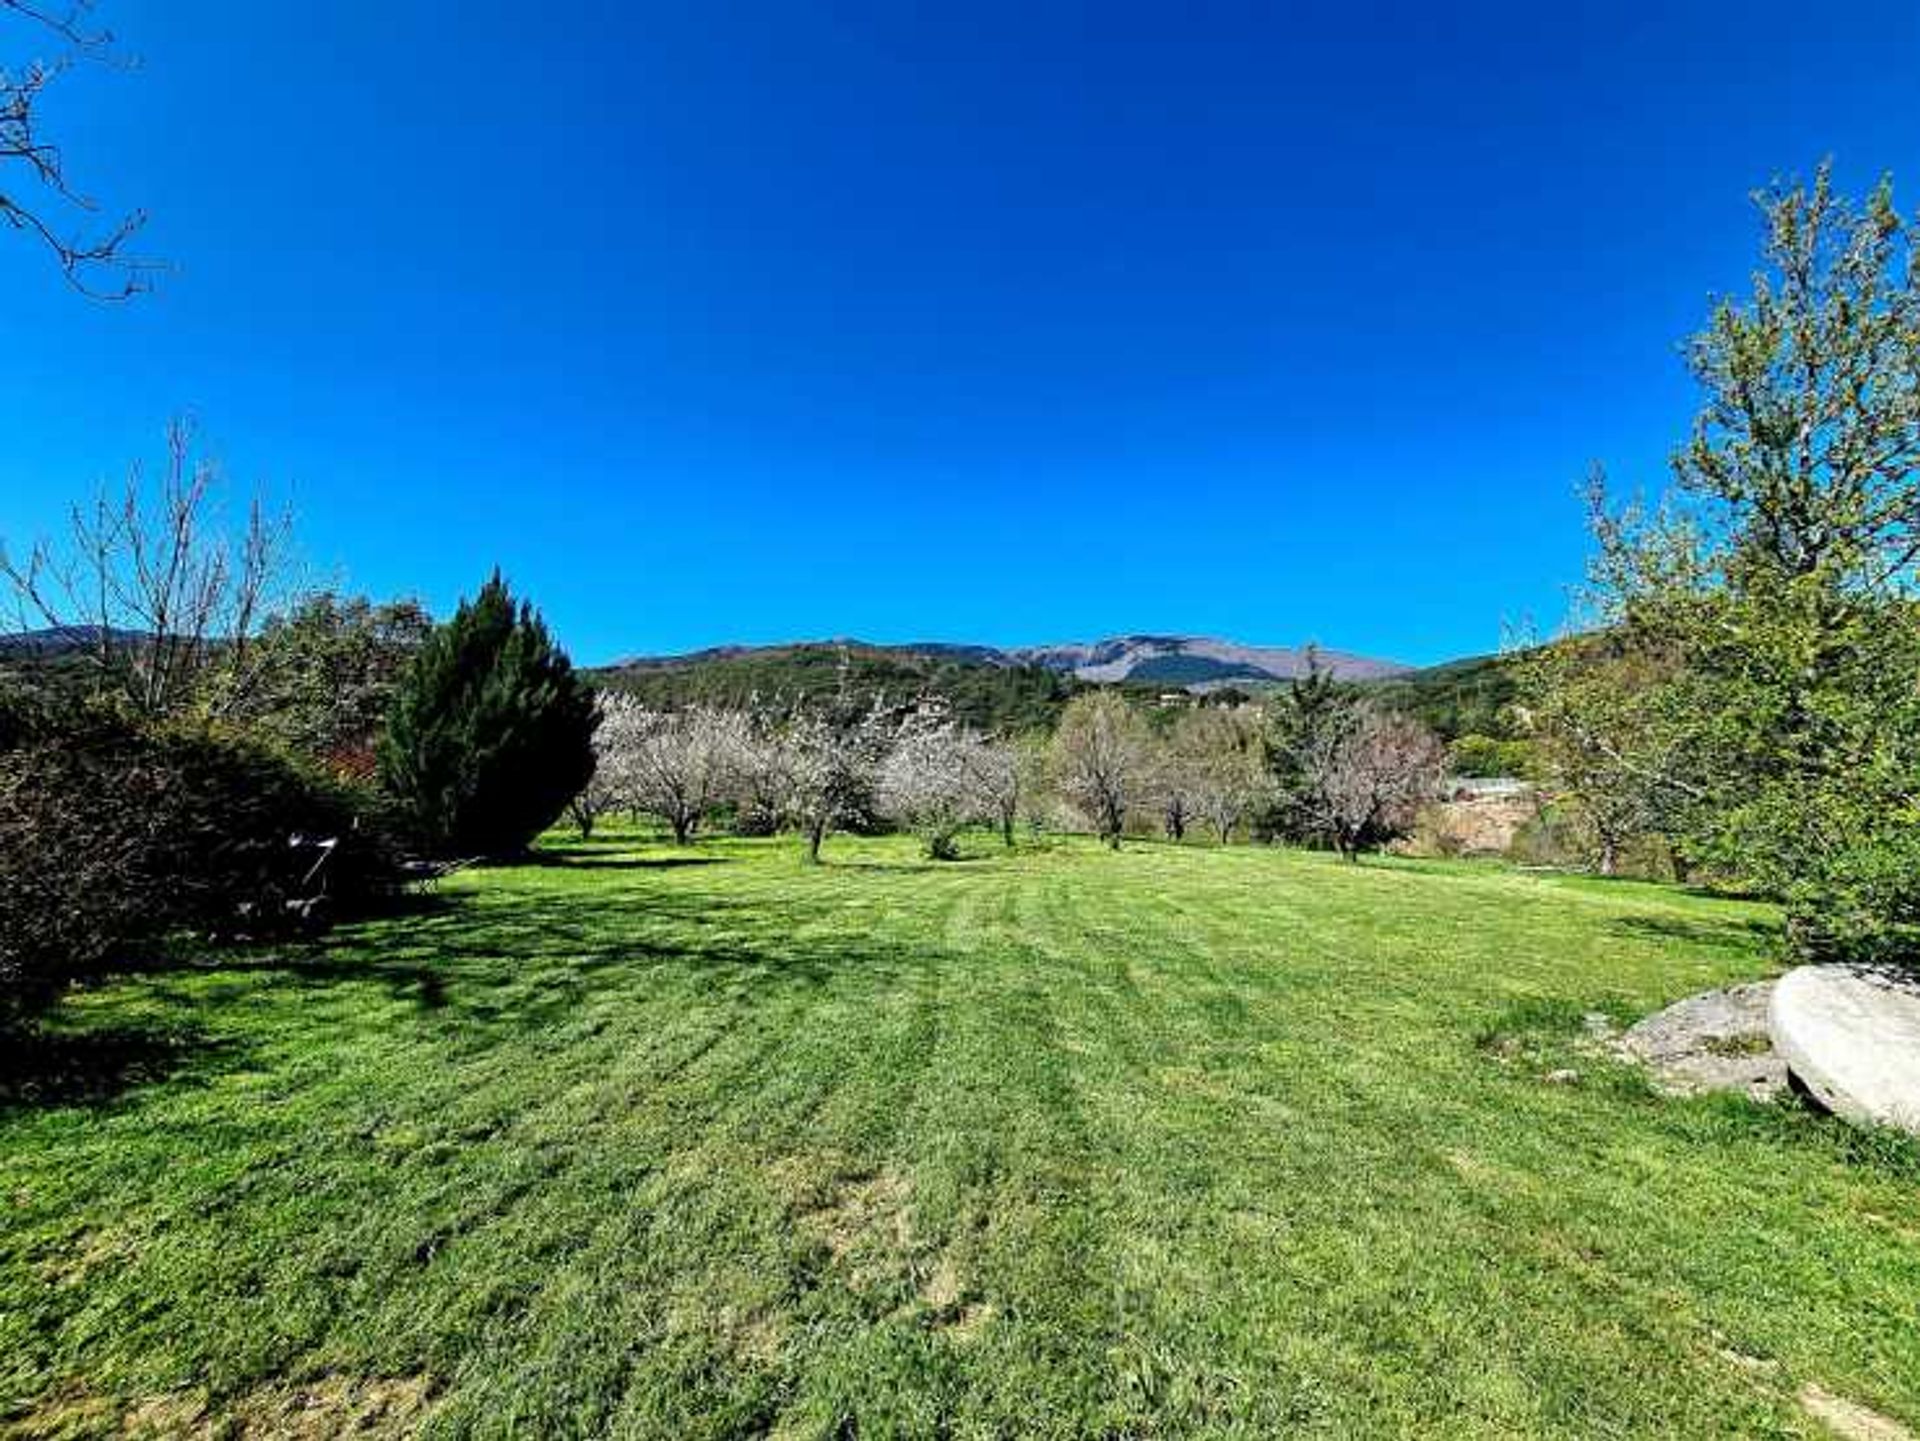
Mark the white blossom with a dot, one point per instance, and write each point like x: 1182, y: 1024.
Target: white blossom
x: 677, y: 765
x: 939, y: 777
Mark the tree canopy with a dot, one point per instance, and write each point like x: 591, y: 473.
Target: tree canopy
x: 1760, y: 619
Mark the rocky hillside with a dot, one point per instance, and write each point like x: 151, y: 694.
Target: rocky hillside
x: 1176, y: 662
x: 1194, y: 661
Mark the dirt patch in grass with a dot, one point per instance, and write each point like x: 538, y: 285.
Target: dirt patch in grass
x: 183, y: 1414
x: 88, y: 1251
x: 943, y: 1303
x: 69, y: 1411
x: 1849, y: 1419
x: 859, y: 1214
x: 866, y: 1224
x: 335, y: 1406
x: 970, y: 1321
x: 752, y: 1334
x: 758, y: 1338
x: 319, y: 1410
x: 1468, y: 1167
x: 941, y: 1290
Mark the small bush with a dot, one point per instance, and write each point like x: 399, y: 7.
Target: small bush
x: 1556, y: 837
x: 753, y: 819
x: 1488, y: 756
x: 115, y: 834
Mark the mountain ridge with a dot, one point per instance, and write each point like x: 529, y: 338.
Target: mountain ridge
x: 1187, y: 661
x: 1190, y: 662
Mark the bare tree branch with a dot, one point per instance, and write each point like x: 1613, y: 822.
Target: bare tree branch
x: 160, y: 592
x: 98, y: 265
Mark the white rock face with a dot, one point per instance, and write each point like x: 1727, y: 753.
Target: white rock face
x: 1851, y: 1036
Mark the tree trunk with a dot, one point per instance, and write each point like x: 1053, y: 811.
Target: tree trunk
x: 682, y: 830
x: 1609, y: 855
x: 1006, y: 828
x: 1682, y: 867
x: 815, y: 834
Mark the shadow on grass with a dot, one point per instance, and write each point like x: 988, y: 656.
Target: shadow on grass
x: 612, y: 854
x: 510, y: 969
x: 51, y: 1067
x: 950, y: 865
x: 635, y: 863
x: 316, y: 965
x: 1731, y: 933
x: 53, y: 1064
x: 488, y: 969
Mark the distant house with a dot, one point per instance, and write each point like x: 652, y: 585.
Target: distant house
x: 1473, y: 788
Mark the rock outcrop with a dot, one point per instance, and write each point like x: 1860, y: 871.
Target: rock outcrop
x: 1850, y: 1036
x: 1715, y: 1041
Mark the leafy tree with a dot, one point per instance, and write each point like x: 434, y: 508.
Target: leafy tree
x: 490, y: 733
x: 1345, y: 770
x: 1487, y: 756
x: 1772, y: 591
x: 1603, y: 726
x: 322, y: 675
x: 1036, y: 791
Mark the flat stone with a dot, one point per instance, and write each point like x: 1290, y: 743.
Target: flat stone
x: 1850, y: 1036
x: 1715, y: 1041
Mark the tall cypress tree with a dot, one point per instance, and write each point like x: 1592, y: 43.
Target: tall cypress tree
x: 490, y: 733
x: 1305, y: 719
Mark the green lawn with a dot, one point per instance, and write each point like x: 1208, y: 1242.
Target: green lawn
x: 1168, y: 1142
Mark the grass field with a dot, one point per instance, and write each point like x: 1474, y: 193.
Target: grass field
x: 1168, y: 1142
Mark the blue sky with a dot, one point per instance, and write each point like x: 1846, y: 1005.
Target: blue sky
x: 1008, y: 323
